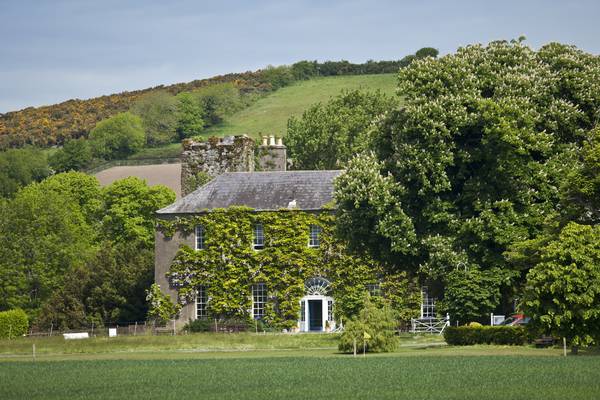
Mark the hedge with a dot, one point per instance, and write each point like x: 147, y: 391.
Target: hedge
x: 468, y: 335
x: 13, y: 323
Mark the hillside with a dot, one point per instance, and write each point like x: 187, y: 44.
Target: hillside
x: 54, y: 124
x: 267, y: 115
x: 270, y: 114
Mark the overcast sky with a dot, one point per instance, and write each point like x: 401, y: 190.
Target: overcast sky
x: 51, y: 51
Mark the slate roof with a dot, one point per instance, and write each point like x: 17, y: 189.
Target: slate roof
x: 263, y: 191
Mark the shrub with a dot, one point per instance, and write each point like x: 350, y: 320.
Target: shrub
x: 13, y: 323
x: 470, y: 335
x: 199, y: 325
x: 374, y: 328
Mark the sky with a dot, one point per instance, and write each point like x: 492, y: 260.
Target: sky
x: 52, y: 51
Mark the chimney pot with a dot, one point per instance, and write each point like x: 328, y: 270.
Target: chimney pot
x: 279, y: 141
x: 271, y: 140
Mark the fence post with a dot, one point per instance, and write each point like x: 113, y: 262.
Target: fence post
x: 51, y: 326
x: 34, y: 352
x: 173, y: 327
x: 92, y: 328
x: 135, y: 329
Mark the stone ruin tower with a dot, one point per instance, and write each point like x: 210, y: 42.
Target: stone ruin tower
x: 201, y: 160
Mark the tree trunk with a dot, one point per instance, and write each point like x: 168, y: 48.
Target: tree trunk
x: 574, y: 350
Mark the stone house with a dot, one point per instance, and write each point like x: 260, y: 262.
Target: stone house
x: 256, y: 240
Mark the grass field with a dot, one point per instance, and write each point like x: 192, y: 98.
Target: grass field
x: 276, y: 366
x: 270, y: 114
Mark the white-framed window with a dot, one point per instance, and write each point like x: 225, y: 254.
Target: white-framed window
x: 427, y: 304
x: 374, y: 289
x: 259, y: 300
x: 314, y: 238
x: 258, y: 240
x: 201, y: 302
x: 199, y: 243
x: 303, y: 311
x: 329, y: 310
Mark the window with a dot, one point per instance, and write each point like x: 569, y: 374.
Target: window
x: 314, y: 239
x: 259, y: 300
x: 302, y: 311
x: 259, y: 237
x: 374, y: 289
x: 201, y: 302
x: 329, y: 310
x: 199, y: 237
x: 427, y: 304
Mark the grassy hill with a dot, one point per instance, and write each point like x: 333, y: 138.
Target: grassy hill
x: 270, y: 114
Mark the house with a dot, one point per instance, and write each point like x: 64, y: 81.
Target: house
x: 259, y: 244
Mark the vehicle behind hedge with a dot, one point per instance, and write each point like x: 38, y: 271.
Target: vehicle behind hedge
x: 470, y: 335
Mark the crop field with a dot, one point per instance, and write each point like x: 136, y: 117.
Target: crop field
x: 250, y: 366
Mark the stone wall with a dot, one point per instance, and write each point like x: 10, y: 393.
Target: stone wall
x: 202, y: 161
x: 214, y: 157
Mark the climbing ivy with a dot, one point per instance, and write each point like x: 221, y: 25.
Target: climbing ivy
x: 228, y: 265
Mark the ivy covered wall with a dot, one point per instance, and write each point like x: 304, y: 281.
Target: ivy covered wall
x: 228, y: 265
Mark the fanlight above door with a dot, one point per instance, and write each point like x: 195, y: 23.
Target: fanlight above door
x: 317, y: 286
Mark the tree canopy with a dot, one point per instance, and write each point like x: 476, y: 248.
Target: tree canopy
x: 118, y: 136
x: 473, y: 161
x: 72, y: 253
x: 328, y: 135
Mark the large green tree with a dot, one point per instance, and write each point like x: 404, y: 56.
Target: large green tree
x: 563, y: 290
x: 328, y: 135
x: 118, y: 136
x: 19, y: 167
x: 158, y: 111
x: 78, y: 252
x: 474, y: 158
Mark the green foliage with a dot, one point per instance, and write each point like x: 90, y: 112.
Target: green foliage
x: 427, y: 52
x: 228, y: 266
x: 13, y: 323
x: 373, y: 329
x: 118, y: 136
x: 470, y: 335
x: 72, y: 253
x: 129, y: 207
x: 190, y: 116
x: 474, y: 159
x: 580, y: 194
x: 43, y: 235
x: 20, y: 167
x: 471, y: 294
x: 194, y: 182
x: 158, y: 111
x: 327, y: 136
x: 278, y: 77
x: 562, y: 295
x: 161, y: 309
x: 303, y: 70
x: 218, y: 101
x: 76, y: 154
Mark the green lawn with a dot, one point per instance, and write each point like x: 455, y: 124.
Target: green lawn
x: 269, y: 115
x: 297, y: 377
x: 274, y: 366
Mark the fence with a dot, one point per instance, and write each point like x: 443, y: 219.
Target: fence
x: 134, y: 328
x: 429, y: 325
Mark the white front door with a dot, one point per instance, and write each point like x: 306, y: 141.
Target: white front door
x: 316, y: 313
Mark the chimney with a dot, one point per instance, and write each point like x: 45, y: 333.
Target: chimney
x: 272, y: 156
